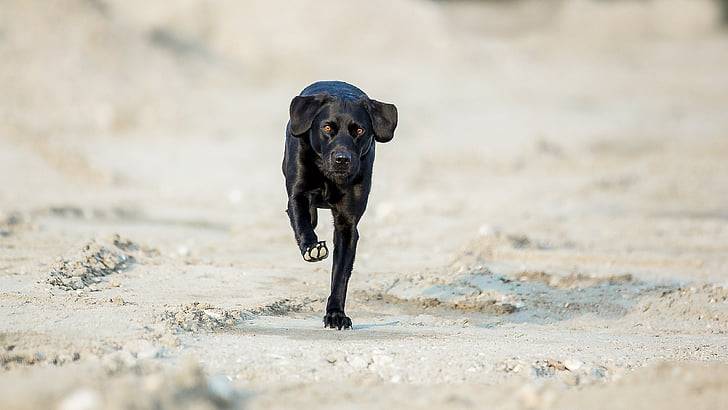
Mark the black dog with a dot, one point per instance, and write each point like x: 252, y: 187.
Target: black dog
x: 328, y: 164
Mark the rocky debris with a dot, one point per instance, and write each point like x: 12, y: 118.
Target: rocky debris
x: 198, y: 316
x: 186, y: 387
x: 687, y: 381
x: 571, y: 372
x: 481, y: 303
x: 144, y: 349
x: 66, y: 211
x: 510, y: 366
x: 686, y: 305
x: 334, y: 357
x: 453, y: 294
x: 10, y: 223
x: 378, y: 363
x: 124, y: 244
x: 76, y: 212
x: 89, y: 266
x: 358, y: 361
x: 118, y: 362
x: 284, y: 307
x: 533, y: 296
x: 572, y: 364
x: 161, y: 334
x: 10, y: 358
x: 133, y: 358
x: 97, y: 259
x: 492, y: 241
x: 547, y: 367
x: 573, y: 280
x: 485, y: 305
x: 437, y: 321
x: 520, y: 241
x: 118, y: 301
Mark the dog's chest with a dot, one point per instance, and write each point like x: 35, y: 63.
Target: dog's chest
x: 325, y: 196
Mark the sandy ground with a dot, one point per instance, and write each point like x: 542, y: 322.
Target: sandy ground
x: 548, y: 229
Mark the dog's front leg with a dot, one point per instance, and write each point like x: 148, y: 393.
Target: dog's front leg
x: 346, y: 237
x: 299, y: 213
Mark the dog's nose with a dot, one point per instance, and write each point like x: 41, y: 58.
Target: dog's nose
x: 342, y: 158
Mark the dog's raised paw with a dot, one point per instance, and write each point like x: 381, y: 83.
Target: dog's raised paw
x: 316, y: 252
x: 337, y: 320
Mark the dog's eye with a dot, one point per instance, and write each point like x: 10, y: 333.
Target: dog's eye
x: 359, y: 132
x: 327, y: 129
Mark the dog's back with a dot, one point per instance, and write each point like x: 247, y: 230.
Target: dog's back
x: 339, y: 89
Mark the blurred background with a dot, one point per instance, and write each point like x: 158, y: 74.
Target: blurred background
x: 104, y: 67
x: 182, y: 106
x: 178, y: 110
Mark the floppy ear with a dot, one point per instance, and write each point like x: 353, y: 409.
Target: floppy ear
x: 302, y: 111
x: 384, y: 120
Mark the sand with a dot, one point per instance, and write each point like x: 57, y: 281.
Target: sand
x: 547, y: 230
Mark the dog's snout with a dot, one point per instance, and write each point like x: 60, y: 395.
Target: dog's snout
x: 342, y: 162
x: 342, y: 158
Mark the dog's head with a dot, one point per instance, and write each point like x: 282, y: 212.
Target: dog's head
x: 341, y: 131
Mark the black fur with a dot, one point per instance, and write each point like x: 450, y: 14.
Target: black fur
x: 333, y: 170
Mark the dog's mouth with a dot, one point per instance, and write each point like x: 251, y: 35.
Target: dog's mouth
x: 340, y: 176
x: 341, y: 171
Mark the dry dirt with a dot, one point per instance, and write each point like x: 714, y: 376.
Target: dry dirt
x: 548, y: 229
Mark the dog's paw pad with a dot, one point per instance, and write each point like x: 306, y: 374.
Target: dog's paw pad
x: 337, y: 320
x: 316, y: 252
